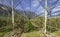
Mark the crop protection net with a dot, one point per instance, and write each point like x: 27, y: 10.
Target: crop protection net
x: 30, y: 18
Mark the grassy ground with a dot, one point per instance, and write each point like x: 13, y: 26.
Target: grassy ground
x: 57, y: 33
x: 1, y: 34
x: 32, y: 34
x: 4, y: 30
x: 28, y: 34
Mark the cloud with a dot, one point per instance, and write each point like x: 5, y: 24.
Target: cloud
x: 40, y: 10
x: 27, y: 8
x: 56, y: 9
x: 35, y: 3
x: 51, y: 1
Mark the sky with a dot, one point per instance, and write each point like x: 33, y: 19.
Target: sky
x: 36, y: 6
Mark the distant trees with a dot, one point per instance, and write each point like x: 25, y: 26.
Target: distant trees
x: 52, y: 23
x: 30, y: 14
x: 38, y: 22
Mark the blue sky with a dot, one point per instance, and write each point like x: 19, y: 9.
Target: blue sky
x: 35, y: 5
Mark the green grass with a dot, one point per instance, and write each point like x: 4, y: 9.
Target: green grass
x: 1, y: 34
x: 28, y: 34
x: 39, y: 34
x: 57, y: 33
x: 4, y: 30
x: 32, y: 34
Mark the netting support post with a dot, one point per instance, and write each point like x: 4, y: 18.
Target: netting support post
x: 45, y: 23
x: 12, y: 5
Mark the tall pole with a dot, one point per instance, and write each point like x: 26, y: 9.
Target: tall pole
x: 12, y: 3
x: 45, y: 17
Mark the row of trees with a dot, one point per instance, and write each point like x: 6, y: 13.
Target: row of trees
x: 27, y: 25
x: 37, y: 22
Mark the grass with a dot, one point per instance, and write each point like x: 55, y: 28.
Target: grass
x: 5, y: 30
x: 57, y: 33
x: 32, y: 34
x: 1, y: 34
x: 28, y: 34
